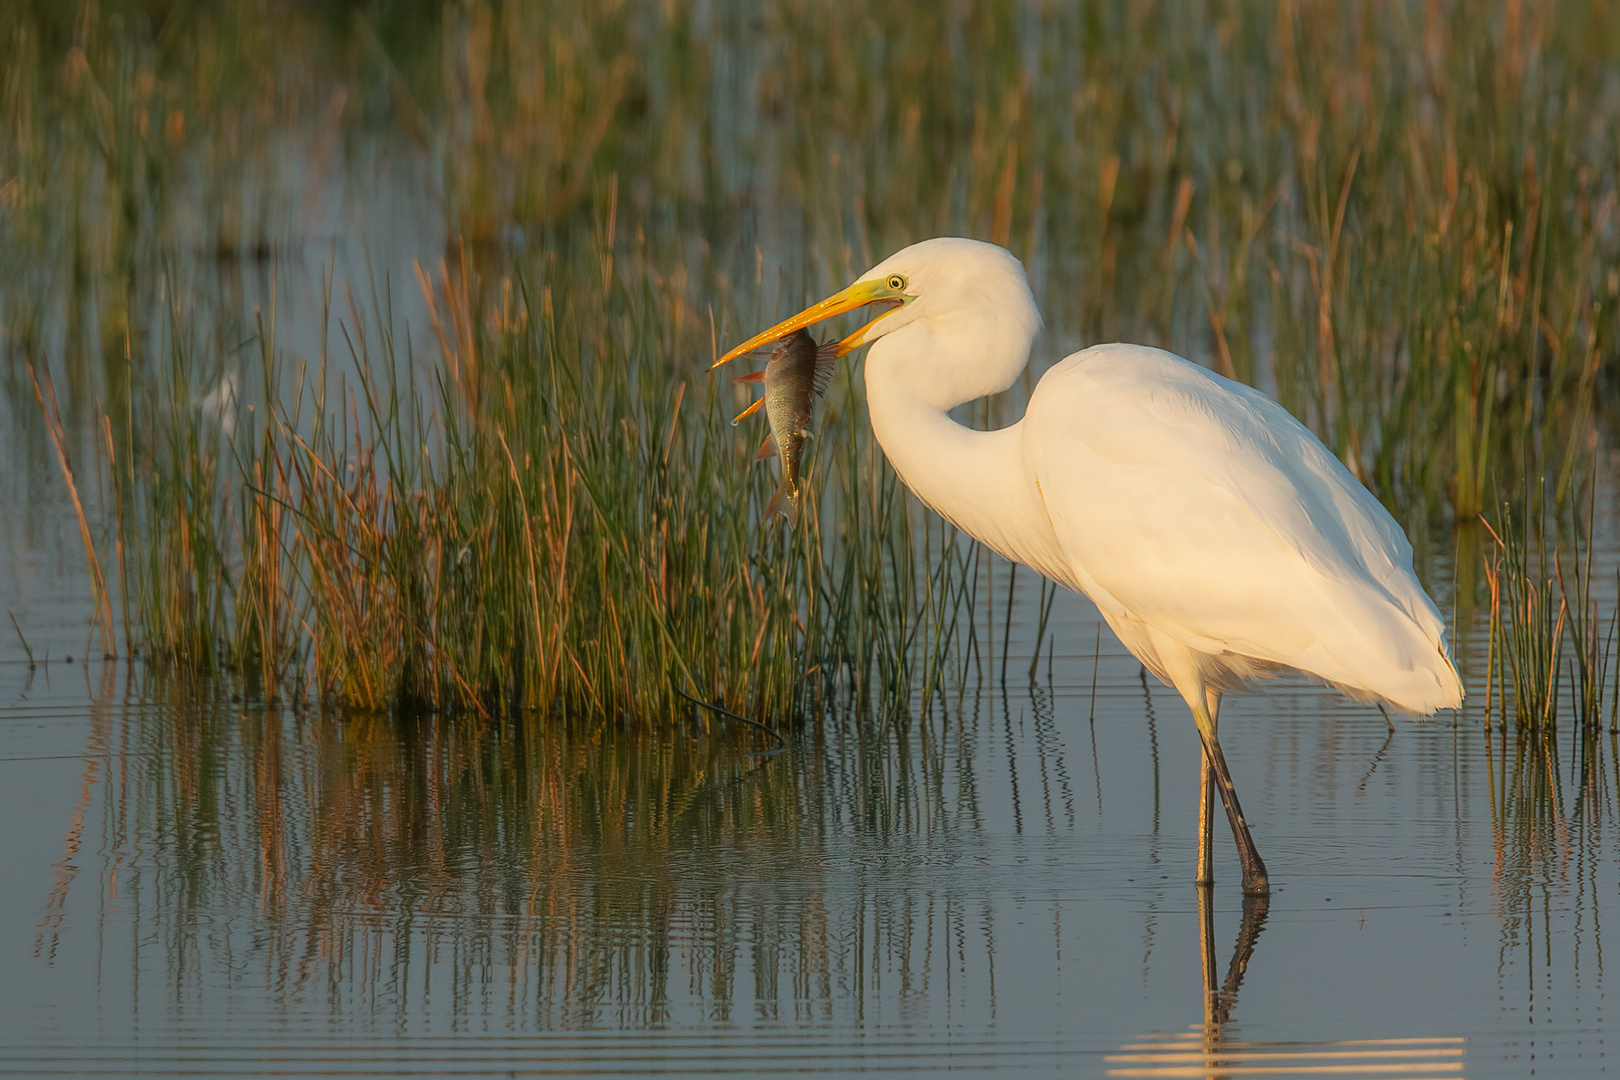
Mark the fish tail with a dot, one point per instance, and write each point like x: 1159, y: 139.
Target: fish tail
x: 784, y: 502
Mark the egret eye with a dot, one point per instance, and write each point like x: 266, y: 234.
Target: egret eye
x: 897, y: 283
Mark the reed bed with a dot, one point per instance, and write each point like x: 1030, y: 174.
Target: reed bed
x: 567, y: 526
x: 1553, y: 624
x: 1400, y: 221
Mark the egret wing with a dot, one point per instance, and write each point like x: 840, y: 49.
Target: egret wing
x: 1202, y: 508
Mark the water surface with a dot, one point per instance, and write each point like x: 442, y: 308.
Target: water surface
x: 197, y: 885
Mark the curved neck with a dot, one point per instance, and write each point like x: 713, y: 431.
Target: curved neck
x: 975, y: 479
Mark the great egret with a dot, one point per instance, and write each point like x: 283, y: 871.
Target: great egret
x: 1217, y: 536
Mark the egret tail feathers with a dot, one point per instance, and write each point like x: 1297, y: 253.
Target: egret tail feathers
x: 1382, y: 651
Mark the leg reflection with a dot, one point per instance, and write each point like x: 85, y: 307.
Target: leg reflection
x: 1220, y: 1000
x: 1215, y: 1054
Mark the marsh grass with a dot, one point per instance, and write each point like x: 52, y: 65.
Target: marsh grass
x: 561, y: 527
x: 1401, y: 223
x: 1552, y: 642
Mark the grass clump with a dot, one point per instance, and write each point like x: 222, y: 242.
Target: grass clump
x: 567, y: 525
x: 1552, y: 641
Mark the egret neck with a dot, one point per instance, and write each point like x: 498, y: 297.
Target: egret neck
x: 974, y: 479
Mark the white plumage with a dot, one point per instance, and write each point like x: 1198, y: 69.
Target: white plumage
x: 1229, y: 528
x: 1218, y: 537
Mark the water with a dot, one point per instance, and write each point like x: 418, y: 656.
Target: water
x: 197, y: 886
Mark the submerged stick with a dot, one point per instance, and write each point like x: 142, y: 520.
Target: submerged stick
x: 729, y: 715
x: 22, y: 639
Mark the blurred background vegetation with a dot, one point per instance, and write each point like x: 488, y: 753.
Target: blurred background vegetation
x: 465, y: 262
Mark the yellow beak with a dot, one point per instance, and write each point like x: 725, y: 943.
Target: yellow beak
x: 857, y: 295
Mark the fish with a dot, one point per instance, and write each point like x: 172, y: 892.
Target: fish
x: 797, y: 370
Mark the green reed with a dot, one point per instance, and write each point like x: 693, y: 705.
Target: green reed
x: 1399, y: 225
x: 1552, y: 640
x: 567, y: 524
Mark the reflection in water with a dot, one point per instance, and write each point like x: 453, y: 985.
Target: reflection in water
x: 944, y: 894
x: 1186, y: 1055
x: 1220, y: 1000
x: 1207, y: 1050
x: 570, y: 878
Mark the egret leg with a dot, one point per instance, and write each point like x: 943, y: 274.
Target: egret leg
x: 1255, y: 881
x: 1206, y: 800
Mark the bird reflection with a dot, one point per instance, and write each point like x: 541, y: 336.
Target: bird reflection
x: 1204, y: 1053
x: 1220, y: 1000
x: 1209, y: 1052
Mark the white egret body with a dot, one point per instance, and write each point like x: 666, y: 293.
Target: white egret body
x: 1217, y: 536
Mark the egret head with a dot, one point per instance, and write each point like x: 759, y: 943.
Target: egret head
x: 969, y: 298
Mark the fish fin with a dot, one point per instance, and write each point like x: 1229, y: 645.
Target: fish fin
x: 826, y: 366
x: 752, y: 376
x: 750, y: 411
x: 785, y: 504
x: 766, y: 448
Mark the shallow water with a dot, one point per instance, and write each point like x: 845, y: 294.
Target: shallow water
x: 196, y: 886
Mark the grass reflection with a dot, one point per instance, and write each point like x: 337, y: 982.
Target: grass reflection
x: 435, y: 874
x: 1552, y: 799
x: 598, y: 877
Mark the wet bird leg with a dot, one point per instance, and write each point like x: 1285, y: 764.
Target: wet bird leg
x: 1206, y: 799
x: 1255, y: 881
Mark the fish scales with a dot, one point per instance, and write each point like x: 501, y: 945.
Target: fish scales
x: 795, y: 373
